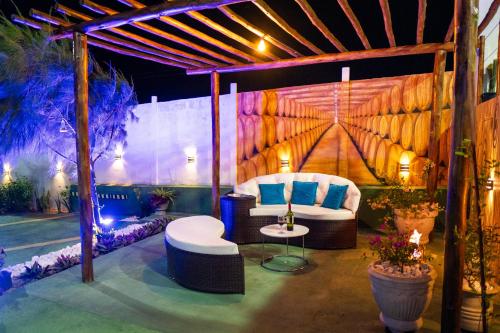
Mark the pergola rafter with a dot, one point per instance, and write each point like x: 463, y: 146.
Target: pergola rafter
x: 355, y: 23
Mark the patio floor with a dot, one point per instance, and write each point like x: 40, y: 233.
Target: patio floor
x: 133, y: 294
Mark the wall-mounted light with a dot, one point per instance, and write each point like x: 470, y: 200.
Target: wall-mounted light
x: 490, y: 184
x: 191, y: 159
x: 63, y: 128
x: 6, y: 169
x: 404, y: 167
x: 59, y: 167
x: 119, y: 153
x: 285, y: 163
x: 261, y: 46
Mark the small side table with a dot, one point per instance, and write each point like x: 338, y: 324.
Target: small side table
x: 275, y: 231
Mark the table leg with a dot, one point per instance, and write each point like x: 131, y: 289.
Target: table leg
x: 303, y: 247
x: 262, y: 252
x: 287, y: 246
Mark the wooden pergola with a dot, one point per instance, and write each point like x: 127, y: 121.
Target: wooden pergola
x: 202, y: 53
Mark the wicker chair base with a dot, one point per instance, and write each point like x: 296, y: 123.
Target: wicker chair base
x: 223, y: 274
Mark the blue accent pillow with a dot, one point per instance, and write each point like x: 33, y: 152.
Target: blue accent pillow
x: 335, y: 196
x: 304, y: 193
x: 272, y: 194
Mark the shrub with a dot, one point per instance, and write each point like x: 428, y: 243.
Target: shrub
x: 16, y: 195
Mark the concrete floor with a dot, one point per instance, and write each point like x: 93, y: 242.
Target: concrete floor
x: 133, y: 294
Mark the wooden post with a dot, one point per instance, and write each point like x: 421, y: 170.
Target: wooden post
x: 463, y: 127
x: 480, y: 68
x: 80, y: 57
x: 437, y: 104
x: 214, y: 80
x: 498, y: 62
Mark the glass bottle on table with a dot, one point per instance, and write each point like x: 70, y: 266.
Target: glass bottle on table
x: 289, y: 218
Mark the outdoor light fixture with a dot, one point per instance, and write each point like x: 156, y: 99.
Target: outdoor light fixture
x: 404, y: 166
x: 285, y: 163
x: 490, y: 184
x: 261, y: 47
x: 191, y: 159
x: 63, y: 128
x: 59, y: 167
x: 119, y: 153
x: 6, y: 169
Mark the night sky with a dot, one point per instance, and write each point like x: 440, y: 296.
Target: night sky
x: 169, y: 83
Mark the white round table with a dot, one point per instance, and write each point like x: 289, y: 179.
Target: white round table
x: 275, y: 231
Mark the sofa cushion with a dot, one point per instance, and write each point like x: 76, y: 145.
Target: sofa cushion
x: 351, y: 200
x: 199, y: 234
x: 304, y: 193
x: 272, y: 194
x: 335, y: 196
x: 305, y: 212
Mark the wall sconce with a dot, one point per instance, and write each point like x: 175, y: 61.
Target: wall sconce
x: 118, y: 153
x: 285, y: 163
x: 7, y: 170
x: 59, y: 167
x: 404, y: 167
x: 490, y: 184
x: 191, y: 159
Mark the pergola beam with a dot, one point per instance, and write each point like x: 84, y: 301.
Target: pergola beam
x: 386, y: 12
x: 315, y: 20
x: 355, y: 23
x: 196, y: 33
x: 422, y: 8
x: 215, y: 107
x: 489, y: 16
x: 331, y: 57
x: 252, y: 28
x: 449, y: 32
x: 273, y: 16
x: 165, y: 8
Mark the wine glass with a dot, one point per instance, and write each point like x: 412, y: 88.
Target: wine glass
x: 281, y: 222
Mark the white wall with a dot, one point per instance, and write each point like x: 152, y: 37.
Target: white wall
x: 158, y: 144
x: 490, y: 33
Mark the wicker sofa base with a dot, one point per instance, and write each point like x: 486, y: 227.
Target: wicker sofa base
x: 222, y: 274
x: 323, y: 234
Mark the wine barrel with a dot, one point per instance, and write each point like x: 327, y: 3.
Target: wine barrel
x: 248, y: 103
x: 376, y: 124
x: 303, y: 144
x: 288, y: 128
x: 362, y: 137
x: 407, y: 131
x: 249, y: 136
x: 410, y: 94
x: 295, y: 155
x: 300, y: 153
x: 366, y: 145
x: 424, y: 92
x: 385, y: 102
x: 250, y: 169
x: 375, y: 106
x: 260, y: 164
x: 421, y: 133
x: 372, y: 151
x: 417, y: 167
x: 381, y: 158
x: 384, y: 126
x: 240, y: 174
x: 260, y: 98
x: 445, y: 147
x: 281, y: 105
x: 396, y: 98
x: 288, y: 106
x: 270, y: 130
x: 272, y: 161
x: 395, y: 130
x: 280, y: 128
x: 272, y: 102
x: 393, y: 158
x: 260, y: 137
x: 240, y: 142
x: 293, y: 127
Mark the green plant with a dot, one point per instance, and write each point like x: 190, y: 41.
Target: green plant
x: 63, y: 199
x: 18, y: 194
x: 161, y: 196
x: 44, y: 202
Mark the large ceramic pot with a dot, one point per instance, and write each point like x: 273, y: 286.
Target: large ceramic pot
x: 401, y: 300
x: 471, y: 317
x: 407, y: 221
x: 161, y: 210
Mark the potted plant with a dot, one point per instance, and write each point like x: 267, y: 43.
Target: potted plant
x: 410, y: 209
x: 161, y: 199
x: 5, y: 276
x: 401, y: 279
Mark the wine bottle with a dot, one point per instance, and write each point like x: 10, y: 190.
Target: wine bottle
x: 289, y: 218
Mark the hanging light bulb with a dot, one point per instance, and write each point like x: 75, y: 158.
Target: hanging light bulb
x: 261, y: 47
x: 63, y: 128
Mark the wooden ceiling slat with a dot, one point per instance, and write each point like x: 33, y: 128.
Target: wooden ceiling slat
x: 273, y: 16
x: 174, y: 54
x: 386, y: 12
x: 449, y: 33
x: 355, y: 23
x: 104, y: 45
x: 160, y: 33
x: 315, y: 20
x: 250, y: 27
x: 422, y: 10
x: 228, y: 33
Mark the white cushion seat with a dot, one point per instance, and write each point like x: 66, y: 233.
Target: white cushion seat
x: 315, y: 212
x: 199, y: 234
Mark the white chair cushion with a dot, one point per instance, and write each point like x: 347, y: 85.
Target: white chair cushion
x: 305, y: 212
x: 351, y: 201
x: 199, y: 234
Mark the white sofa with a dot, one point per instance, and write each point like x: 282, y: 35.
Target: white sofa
x: 244, y: 215
x: 198, y: 258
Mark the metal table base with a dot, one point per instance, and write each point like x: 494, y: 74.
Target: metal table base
x: 267, y: 260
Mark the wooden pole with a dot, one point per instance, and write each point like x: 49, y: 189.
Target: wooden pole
x: 355, y: 22
x: 330, y: 57
x: 480, y: 68
x: 463, y: 127
x: 80, y: 57
x: 386, y: 12
x: 498, y: 62
x: 422, y: 6
x: 215, y: 87
x: 435, y: 131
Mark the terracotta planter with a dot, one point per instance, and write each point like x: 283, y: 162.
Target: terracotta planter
x: 401, y: 300
x: 407, y: 221
x: 471, y: 317
x: 161, y: 210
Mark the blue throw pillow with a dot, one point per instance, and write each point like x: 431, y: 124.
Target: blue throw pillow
x: 335, y: 196
x: 304, y: 193
x: 272, y: 194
